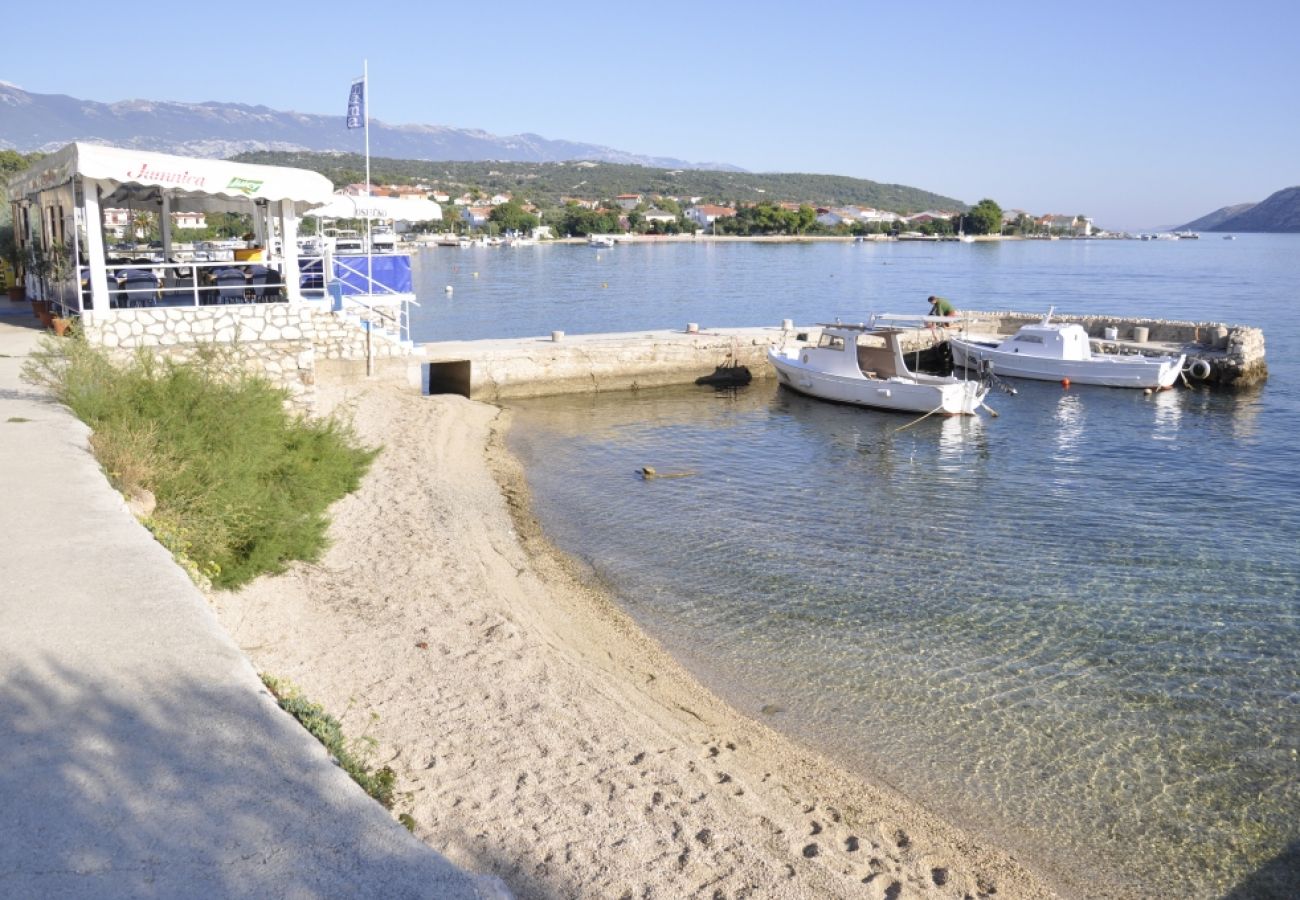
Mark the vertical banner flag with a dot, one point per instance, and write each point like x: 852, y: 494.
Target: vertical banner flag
x: 357, y: 104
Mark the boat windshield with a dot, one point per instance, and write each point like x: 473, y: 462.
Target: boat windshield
x: 831, y: 341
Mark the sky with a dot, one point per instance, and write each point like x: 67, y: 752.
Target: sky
x: 1139, y: 114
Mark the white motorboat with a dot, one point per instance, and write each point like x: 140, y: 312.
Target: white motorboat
x: 864, y: 365
x: 1056, y: 351
x: 601, y: 240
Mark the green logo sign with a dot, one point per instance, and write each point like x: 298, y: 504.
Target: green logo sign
x: 244, y: 186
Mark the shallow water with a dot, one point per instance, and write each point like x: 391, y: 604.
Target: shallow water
x: 1076, y: 625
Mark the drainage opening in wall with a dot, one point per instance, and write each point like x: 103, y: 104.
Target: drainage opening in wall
x: 447, y: 377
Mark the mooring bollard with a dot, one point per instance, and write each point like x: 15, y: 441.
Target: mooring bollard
x: 557, y: 336
x: 1141, y: 333
x: 692, y: 327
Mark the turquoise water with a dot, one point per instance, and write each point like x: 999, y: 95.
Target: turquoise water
x: 1076, y: 627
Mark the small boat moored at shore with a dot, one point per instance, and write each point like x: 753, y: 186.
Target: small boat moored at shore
x: 863, y: 365
x: 1057, y: 351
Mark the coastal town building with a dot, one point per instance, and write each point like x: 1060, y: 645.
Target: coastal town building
x: 476, y: 216
x: 628, y: 201
x: 706, y: 214
x: 117, y: 223
x: 834, y: 218
x: 1074, y: 225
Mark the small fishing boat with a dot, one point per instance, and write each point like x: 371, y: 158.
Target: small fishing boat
x: 863, y: 365
x: 1056, y: 351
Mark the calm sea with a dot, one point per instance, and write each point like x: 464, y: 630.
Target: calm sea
x: 1074, y: 627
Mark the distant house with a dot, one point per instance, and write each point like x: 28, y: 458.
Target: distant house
x: 1077, y: 225
x: 476, y: 216
x: 579, y: 202
x: 627, y: 201
x: 658, y: 215
x: 705, y: 214
x: 189, y: 220
x: 871, y: 215
x: 440, y: 197
x: 407, y: 190
x: 361, y: 190
x: 833, y: 218
x: 930, y: 215
x: 498, y: 199
x: 116, y: 222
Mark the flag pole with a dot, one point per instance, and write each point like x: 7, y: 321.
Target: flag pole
x: 370, y: 247
x: 365, y: 109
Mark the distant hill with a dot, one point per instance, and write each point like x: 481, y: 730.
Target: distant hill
x: 1216, y: 218
x: 1280, y: 213
x: 546, y: 183
x: 524, y: 163
x: 46, y: 122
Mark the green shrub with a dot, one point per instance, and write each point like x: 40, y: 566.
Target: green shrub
x: 353, y: 759
x: 242, y: 485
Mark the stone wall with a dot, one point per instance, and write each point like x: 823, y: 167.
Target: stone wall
x: 277, y: 340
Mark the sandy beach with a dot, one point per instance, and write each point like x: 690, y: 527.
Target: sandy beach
x: 537, y: 733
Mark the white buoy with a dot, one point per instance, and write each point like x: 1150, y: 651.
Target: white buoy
x: 787, y: 324
x: 448, y: 289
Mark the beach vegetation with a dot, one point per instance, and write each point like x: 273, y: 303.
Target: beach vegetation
x: 352, y: 756
x: 241, y: 484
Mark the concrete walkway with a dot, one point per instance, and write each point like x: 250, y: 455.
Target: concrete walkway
x: 141, y: 755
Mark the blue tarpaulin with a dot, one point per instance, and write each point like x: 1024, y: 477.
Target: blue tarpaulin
x: 391, y: 270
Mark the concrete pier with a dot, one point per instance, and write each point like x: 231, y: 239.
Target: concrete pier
x: 496, y: 370
x: 565, y: 364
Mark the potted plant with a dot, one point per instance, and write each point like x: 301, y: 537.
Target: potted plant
x: 37, y: 265
x: 62, y: 324
x: 11, y: 252
x: 59, y: 257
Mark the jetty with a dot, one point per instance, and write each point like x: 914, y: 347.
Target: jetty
x: 504, y: 369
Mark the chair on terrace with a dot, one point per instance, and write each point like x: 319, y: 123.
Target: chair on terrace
x: 231, y: 284
x: 139, y: 288
x: 266, y: 282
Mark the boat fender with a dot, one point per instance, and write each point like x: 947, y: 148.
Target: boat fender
x: 1199, y: 369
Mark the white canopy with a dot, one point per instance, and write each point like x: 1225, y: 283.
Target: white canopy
x: 346, y: 206
x: 212, y: 185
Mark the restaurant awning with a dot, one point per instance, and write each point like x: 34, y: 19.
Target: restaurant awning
x: 347, y: 206
x: 211, y: 185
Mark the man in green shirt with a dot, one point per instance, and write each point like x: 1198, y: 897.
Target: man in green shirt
x: 939, y: 306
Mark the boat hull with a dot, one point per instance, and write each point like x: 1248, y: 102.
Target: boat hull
x: 1153, y: 372
x: 946, y: 396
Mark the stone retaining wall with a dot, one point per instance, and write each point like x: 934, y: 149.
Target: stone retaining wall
x: 277, y: 340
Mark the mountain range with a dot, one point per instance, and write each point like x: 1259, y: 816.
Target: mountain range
x: 1279, y: 213
x: 45, y: 122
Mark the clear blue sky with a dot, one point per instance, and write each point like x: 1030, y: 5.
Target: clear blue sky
x: 1141, y: 114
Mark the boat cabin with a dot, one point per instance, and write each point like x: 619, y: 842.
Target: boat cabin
x: 1053, y: 341
x: 859, y: 350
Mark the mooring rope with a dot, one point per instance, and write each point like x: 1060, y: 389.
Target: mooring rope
x: 938, y: 408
